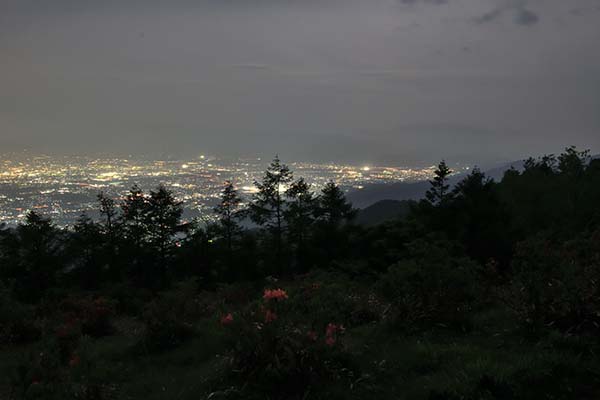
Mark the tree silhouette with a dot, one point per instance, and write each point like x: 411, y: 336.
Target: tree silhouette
x: 109, y: 227
x: 229, y: 213
x: 108, y: 211
x: 38, y: 245
x: 163, y: 222
x: 135, y: 209
x: 86, y: 248
x: 439, y: 191
x: 573, y: 162
x: 269, y: 203
x: 333, y: 208
x: 300, y: 216
x: 479, y: 219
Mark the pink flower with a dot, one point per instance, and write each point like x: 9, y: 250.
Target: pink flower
x: 331, y: 329
x: 331, y: 332
x: 312, y: 335
x: 227, y: 319
x: 276, y: 294
x: 270, y: 316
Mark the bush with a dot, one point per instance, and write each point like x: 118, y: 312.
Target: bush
x: 43, y: 374
x: 556, y: 283
x: 39, y: 374
x: 169, y: 318
x: 272, y: 355
x: 92, y: 314
x: 17, y: 322
x: 432, y: 286
x: 326, y: 297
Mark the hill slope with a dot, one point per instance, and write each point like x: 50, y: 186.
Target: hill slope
x: 382, y: 211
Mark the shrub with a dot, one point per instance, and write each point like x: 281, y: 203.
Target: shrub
x: 556, y: 283
x: 432, y: 286
x: 39, y: 374
x: 169, y: 318
x: 326, y: 297
x: 93, y: 314
x: 17, y: 322
x: 129, y: 299
x: 43, y: 374
x: 274, y: 355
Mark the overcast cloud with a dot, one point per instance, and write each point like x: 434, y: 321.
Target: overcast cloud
x: 396, y: 81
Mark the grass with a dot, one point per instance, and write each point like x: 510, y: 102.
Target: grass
x: 492, y: 360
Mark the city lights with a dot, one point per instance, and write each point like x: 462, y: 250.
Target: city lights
x: 66, y: 187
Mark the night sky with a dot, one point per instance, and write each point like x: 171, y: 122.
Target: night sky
x: 389, y: 81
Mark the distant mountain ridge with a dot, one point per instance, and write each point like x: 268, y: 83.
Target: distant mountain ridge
x: 383, y: 202
x: 382, y: 211
x: 373, y: 194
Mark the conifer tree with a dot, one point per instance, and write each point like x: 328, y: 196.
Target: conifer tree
x: 86, y: 246
x: 300, y: 216
x: 163, y: 222
x: 269, y: 203
x: 135, y: 209
x: 229, y: 213
x: 438, y: 193
x: 108, y: 211
x: 109, y: 227
x: 333, y: 207
x: 38, y: 255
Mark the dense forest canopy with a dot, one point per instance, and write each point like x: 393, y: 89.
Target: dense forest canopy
x: 519, y: 258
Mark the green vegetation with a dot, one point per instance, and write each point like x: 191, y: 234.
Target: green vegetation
x: 484, y: 290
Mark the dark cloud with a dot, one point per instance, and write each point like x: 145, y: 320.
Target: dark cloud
x: 522, y: 15
x: 491, y: 15
x: 526, y: 17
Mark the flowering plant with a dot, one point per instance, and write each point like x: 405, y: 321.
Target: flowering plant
x: 275, y: 294
x: 280, y: 351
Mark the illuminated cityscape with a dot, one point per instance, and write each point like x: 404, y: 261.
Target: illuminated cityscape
x: 65, y: 187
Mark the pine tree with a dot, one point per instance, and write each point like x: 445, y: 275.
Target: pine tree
x: 135, y: 209
x: 438, y: 193
x: 86, y: 246
x: 109, y: 227
x: 108, y: 211
x: 300, y: 216
x: 163, y: 222
x: 38, y: 256
x: 229, y: 213
x: 333, y: 207
x: 332, y: 210
x: 269, y: 204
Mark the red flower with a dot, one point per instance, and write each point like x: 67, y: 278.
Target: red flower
x: 276, y: 294
x: 270, y: 316
x: 227, y: 319
x: 331, y: 329
x: 331, y: 333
